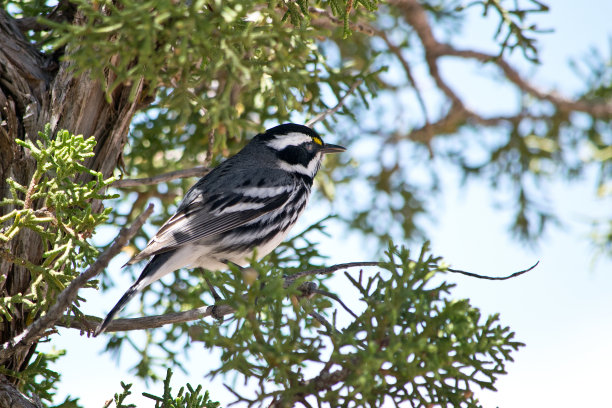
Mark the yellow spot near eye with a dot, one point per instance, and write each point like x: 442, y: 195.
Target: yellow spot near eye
x: 318, y: 140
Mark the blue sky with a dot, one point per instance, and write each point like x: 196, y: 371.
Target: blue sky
x: 560, y: 310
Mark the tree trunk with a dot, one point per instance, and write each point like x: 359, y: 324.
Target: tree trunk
x: 36, y: 89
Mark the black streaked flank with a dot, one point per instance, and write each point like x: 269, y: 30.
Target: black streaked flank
x: 307, y: 180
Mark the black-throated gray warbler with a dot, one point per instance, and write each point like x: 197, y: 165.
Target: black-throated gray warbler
x: 250, y: 201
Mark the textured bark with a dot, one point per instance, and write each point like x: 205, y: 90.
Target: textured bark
x: 36, y: 89
x: 11, y: 398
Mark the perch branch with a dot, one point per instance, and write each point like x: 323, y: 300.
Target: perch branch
x: 150, y: 322
x: 89, y: 324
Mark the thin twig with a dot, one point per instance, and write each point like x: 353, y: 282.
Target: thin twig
x: 474, y: 275
x: 328, y: 270
x: 212, y: 289
x: 319, y: 317
x: 37, y: 329
x: 199, y: 171
x: 334, y: 268
x: 400, y: 56
x: 337, y: 299
x: 335, y: 109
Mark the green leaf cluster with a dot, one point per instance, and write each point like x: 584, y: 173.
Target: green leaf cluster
x: 229, y: 65
x: 412, y: 342
x: 56, y: 206
x: 187, y: 397
x: 514, y: 30
x: 218, y: 71
x: 39, y: 379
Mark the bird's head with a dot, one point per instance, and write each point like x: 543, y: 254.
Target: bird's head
x: 298, y: 148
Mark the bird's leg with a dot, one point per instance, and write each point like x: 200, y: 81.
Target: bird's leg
x: 212, y: 289
x: 215, y: 295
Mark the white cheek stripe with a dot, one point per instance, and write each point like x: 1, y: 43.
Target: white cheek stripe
x: 290, y: 139
x: 310, y: 171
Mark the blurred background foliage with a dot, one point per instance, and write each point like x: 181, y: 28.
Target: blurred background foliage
x: 218, y: 72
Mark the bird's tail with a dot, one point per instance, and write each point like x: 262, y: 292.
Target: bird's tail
x: 149, y: 274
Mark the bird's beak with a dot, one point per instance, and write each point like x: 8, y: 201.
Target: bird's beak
x: 330, y: 148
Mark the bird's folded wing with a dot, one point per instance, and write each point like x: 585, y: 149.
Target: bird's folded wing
x: 207, y: 217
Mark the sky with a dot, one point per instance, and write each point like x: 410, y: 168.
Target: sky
x: 561, y: 310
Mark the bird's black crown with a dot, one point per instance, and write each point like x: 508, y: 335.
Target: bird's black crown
x: 287, y: 128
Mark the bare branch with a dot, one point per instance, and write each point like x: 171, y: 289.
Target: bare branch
x: 598, y: 110
x: 149, y: 322
x: 319, y: 317
x: 448, y: 124
x: 199, y: 171
x: 37, y: 329
x: 335, y: 109
x: 416, y: 16
x: 325, y: 380
x: 337, y: 299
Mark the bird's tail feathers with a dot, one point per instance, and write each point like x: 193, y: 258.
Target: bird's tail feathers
x: 127, y: 296
x: 149, y: 274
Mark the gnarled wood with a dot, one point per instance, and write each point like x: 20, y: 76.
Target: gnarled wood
x: 36, y: 89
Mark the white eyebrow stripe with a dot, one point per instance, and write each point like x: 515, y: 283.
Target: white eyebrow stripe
x: 290, y: 139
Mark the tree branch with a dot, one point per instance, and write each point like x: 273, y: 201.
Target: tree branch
x: 325, y: 380
x: 37, y: 329
x: 199, y: 171
x: 308, y: 289
x: 475, y: 275
x: 458, y: 114
x: 326, y: 271
x: 599, y: 110
x: 149, y: 322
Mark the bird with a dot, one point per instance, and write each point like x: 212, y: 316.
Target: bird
x: 249, y: 202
